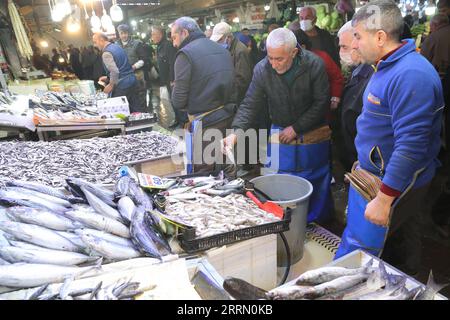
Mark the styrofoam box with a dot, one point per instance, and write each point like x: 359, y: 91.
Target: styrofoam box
x: 359, y: 258
x: 113, y: 106
x: 253, y: 260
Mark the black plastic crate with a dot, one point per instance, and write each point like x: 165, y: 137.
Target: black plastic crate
x: 190, y: 244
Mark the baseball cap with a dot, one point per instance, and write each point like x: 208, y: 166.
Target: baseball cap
x: 123, y: 28
x: 220, y: 30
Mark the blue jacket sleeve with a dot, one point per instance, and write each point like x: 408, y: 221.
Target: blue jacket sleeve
x: 413, y: 100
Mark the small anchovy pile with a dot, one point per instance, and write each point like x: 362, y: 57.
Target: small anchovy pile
x: 338, y: 283
x: 214, y: 215
x: 95, y: 160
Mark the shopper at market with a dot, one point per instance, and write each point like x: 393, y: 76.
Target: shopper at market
x: 98, y: 69
x: 335, y: 77
x: 75, y: 63
x: 398, y: 139
x: 436, y: 47
x: 262, y: 45
x: 120, y: 77
x: 293, y: 84
x: 88, y: 58
x: 320, y: 39
x: 40, y: 62
x: 352, y: 97
x: 165, y: 57
x: 58, y: 61
x: 203, y: 87
x: 443, y: 7
x: 136, y: 57
x: 243, y: 69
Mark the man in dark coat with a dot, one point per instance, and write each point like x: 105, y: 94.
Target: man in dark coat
x: 204, y: 89
x: 320, y: 39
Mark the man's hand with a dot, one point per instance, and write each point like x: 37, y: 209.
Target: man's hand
x: 377, y: 210
x: 108, y: 88
x: 103, y: 78
x: 287, y: 135
x: 229, y: 142
x: 334, y: 105
x: 133, y: 67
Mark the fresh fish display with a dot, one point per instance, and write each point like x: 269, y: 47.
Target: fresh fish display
x: 365, y: 283
x: 79, y: 185
x: 109, y: 250
x: 430, y: 290
x: 214, y: 215
x: 242, y: 290
x: 105, y: 236
x: 318, y: 276
x: 37, y: 235
x: 95, y: 160
x: 96, y: 221
x: 146, y: 238
x: 126, y: 208
x: 43, y: 218
x: 57, y: 257
x: 42, y: 189
x: 101, y: 207
x: 26, y: 275
x: 14, y: 196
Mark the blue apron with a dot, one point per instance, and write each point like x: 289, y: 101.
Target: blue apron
x: 309, y: 161
x: 360, y: 233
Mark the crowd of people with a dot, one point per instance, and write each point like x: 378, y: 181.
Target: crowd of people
x: 368, y: 92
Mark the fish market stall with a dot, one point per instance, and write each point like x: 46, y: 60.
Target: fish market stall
x: 140, y: 278
x: 96, y: 160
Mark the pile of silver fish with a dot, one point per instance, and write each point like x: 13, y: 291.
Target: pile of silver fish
x: 212, y: 215
x: 339, y: 283
x: 120, y: 290
x: 47, y: 235
x: 95, y: 160
x: 65, y: 106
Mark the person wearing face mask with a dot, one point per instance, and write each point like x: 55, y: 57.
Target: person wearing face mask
x: 203, y: 87
x: 243, y: 69
x: 352, y: 97
x: 320, y: 39
x: 292, y: 83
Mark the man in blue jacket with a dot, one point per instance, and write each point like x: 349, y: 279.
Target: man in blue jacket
x: 398, y: 139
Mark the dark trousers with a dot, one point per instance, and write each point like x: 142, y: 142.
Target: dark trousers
x: 403, y: 247
x: 132, y: 98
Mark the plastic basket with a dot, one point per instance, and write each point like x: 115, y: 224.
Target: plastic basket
x: 190, y: 244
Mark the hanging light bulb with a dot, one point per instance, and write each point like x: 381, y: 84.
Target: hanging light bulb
x: 96, y: 24
x: 44, y: 44
x: 116, y: 12
x: 236, y: 20
x: 143, y: 35
x: 73, y: 25
x: 430, y: 9
x: 106, y: 20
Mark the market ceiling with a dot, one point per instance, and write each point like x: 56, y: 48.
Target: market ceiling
x: 37, y: 12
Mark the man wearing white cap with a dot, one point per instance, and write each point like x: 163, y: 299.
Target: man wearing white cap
x: 241, y: 58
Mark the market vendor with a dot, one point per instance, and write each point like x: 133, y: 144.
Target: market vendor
x: 136, y: 57
x: 203, y: 87
x: 294, y: 85
x: 398, y: 139
x: 120, y: 76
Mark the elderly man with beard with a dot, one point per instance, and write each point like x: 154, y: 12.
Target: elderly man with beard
x: 352, y: 97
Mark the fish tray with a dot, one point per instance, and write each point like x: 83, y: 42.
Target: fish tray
x: 190, y: 244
